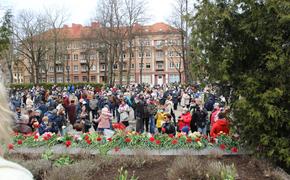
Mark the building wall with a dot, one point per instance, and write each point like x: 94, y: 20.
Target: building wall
x: 160, y: 54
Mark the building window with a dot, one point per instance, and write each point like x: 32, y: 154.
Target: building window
x: 159, y: 65
x: 173, y: 78
x: 140, y: 65
x: 132, y: 66
x: 170, y: 42
x: 140, y: 54
x: 51, y: 79
x: 51, y: 69
x: 93, y: 78
x: 59, y: 80
x: 171, y: 53
x: 124, y: 56
x: 146, y: 79
x: 148, y: 54
x: 76, y: 57
x: 103, y: 66
x: 159, y: 54
x: 85, y: 78
x: 132, y: 78
x: 76, y: 68
x: 148, y: 66
x: 144, y: 43
x: 94, y: 68
x: 76, y: 79
x: 177, y: 65
x: 159, y: 43
x: 115, y: 66
x: 171, y: 65
x: 67, y: 57
x: 59, y: 68
x: 84, y: 68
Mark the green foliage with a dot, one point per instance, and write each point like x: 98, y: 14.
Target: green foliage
x: 47, y: 155
x: 123, y: 175
x: 50, y: 85
x: 218, y: 170
x: 63, y: 161
x: 246, y: 45
x: 5, y: 31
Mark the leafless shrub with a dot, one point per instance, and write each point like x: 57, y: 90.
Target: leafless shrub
x: 186, y: 167
x: 218, y: 170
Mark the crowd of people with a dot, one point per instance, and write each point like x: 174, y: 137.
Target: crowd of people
x: 153, y: 109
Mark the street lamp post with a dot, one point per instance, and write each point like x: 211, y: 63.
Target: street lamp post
x: 67, y: 69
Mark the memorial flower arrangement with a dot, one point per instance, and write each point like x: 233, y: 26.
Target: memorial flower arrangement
x: 126, y: 139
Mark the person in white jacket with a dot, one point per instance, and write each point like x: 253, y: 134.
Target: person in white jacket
x: 8, y: 170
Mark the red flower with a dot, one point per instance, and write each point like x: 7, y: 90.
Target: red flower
x: 88, y: 141
x: 127, y: 140
x: 19, y: 141
x: 171, y: 135
x: 45, y: 138
x: 151, y: 139
x: 86, y: 137
x: 223, y: 147
x: 234, y: 150
x: 163, y: 130
x: 174, y: 141
x: 35, y: 136
x: 188, y: 140
x: 117, y: 149
x: 67, y: 143
x: 99, y: 139
x: 10, y: 146
x: 109, y: 139
x: 197, y: 139
x: 158, y: 142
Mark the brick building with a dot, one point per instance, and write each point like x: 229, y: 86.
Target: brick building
x: 161, y: 52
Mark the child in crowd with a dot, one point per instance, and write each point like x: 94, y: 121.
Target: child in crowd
x: 104, y: 121
x: 159, y: 118
x: 167, y: 126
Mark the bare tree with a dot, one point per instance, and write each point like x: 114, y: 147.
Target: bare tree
x: 55, y: 19
x: 31, y: 42
x: 135, y: 14
x: 179, y: 21
x: 141, y: 51
x: 177, y: 65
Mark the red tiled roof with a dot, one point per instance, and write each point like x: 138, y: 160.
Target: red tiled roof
x: 78, y: 31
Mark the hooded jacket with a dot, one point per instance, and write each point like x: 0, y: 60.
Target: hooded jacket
x: 221, y: 125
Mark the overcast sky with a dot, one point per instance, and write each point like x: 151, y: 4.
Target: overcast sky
x: 82, y: 11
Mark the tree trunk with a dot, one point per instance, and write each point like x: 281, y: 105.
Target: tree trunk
x: 121, y: 65
x: 130, y: 61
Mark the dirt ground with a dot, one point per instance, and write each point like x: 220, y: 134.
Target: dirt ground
x: 144, y: 167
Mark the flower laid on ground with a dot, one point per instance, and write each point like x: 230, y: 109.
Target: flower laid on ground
x: 67, y: 143
x: 234, y: 149
x: 223, y: 147
x: 158, y: 142
x: 197, y: 139
x: 10, y: 146
x: 174, y: 141
x: 127, y: 140
x: 117, y: 149
x: 19, y: 142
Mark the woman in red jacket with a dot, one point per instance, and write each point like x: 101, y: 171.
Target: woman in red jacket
x: 184, y: 121
x: 221, y: 125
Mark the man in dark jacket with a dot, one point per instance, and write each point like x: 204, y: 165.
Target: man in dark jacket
x: 199, y: 120
x: 152, y: 110
x: 139, y: 112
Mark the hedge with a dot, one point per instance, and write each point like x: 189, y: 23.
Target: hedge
x: 50, y: 85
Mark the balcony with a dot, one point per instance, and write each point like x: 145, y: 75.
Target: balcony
x: 159, y: 59
x: 159, y: 68
x: 159, y: 46
x: 83, y: 61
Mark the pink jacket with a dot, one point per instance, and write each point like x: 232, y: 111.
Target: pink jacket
x: 104, y: 119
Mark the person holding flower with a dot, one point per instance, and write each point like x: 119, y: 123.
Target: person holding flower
x: 220, y: 126
x: 160, y: 116
x: 167, y: 126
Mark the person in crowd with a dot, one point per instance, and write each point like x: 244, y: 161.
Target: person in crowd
x: 140, y: 113
x: 104, y: 121
x: 94, y: 107
x: 71, y: 110
x: 167, y: 126
x: 45, y: 126
x: 152, y: 110
x: 61, y: 120
x: 175, y: 99
x: 160, y: 116
x: 84, y: 116
x: 214, y: 114
x: 185, y: 100
x: 169, y: 108
x: 124, y: 111
x: 221, y: 125
x: 199, y: 118
x: 29, y: 103
x: 184, y: 121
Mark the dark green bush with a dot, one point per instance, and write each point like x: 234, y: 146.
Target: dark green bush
x: 50, y: 85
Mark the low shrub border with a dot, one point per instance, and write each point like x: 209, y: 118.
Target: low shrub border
x: 50, y: 85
